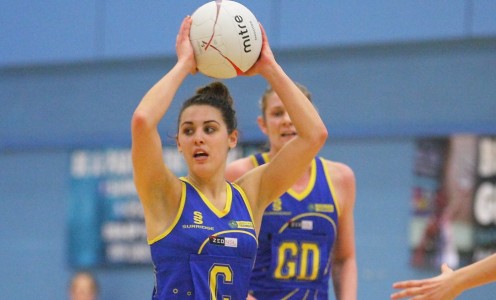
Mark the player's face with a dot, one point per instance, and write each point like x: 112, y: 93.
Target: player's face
x: 277, y: 124
x: 203, y: 139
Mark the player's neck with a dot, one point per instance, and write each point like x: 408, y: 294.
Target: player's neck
x: 213, y: 190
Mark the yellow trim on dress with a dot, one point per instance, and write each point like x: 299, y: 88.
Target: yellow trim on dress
x: 254, y: 160
x: 176, y: 219
x: 311, y: 183
x: 326, y: 217
x: 331, y: 186
x: 245, y: 200
x: 290, y: 294
x: 215, y: 210
x: 265, y: 156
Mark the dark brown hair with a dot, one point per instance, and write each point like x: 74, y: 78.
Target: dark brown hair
x: 215, y: 94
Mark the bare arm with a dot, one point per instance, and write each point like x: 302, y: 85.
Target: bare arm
x: 311, y: 130
x: 344, y: 267
x: 158, y: 188
x: 450, y: 284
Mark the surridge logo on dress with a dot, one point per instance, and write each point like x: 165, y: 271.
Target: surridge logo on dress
x: 276, y: 209
x: 197, y: 217
x: 198, y: 222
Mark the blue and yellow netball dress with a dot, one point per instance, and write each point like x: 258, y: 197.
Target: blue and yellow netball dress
x: 296, y: 239
x: 206, y: 253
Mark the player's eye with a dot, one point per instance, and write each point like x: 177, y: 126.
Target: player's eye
x: 209, y: 129
x: 188, y: 131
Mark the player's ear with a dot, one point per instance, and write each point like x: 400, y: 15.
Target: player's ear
x: 233, y: 139
x: 262, y: 124
x: 178, y: 145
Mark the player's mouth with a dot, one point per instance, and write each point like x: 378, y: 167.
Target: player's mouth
x: 288, y: 134
x: 200, y: 154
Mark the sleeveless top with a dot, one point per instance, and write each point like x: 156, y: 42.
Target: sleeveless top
x: 206, y: 253
x: 296, y: 239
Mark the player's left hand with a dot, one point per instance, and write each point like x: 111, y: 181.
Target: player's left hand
x: 266, y: 60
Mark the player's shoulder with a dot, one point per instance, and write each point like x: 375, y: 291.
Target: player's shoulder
x: 245, y: 163
x: 342, y: 178
x: 238, y: 168
x: 339, y: 171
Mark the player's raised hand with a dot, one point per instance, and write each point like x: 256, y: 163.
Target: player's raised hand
x: 184, y: 49
x: 266, y: 61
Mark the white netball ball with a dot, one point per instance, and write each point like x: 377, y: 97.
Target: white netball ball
x: 226, y: 38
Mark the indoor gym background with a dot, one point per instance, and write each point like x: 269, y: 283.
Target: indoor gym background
x: 382, y: 73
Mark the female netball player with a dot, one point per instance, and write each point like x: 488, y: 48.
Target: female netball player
x: 308, y: 232
x: 202, y: 229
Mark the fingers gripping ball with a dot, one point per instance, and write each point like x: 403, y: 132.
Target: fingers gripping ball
x: 226, y: 38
